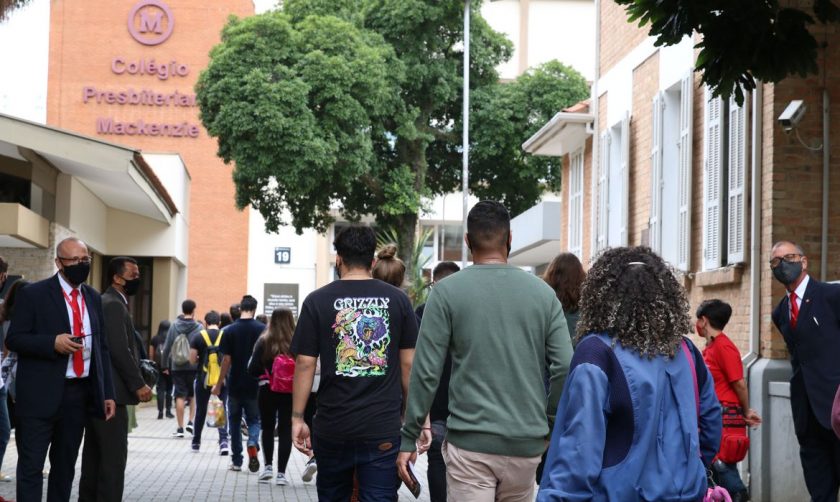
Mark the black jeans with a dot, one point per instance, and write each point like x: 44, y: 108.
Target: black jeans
x: 202, y: 397
x: 164, y: 392
x: 437, y: 467
x: 275, y: 411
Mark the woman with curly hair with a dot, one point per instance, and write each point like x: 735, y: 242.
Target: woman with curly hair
x: 638, y: 419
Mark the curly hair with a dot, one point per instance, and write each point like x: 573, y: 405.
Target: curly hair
x: 565, y: 275
x: 633, y: 296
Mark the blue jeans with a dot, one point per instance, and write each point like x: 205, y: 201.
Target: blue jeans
x: 236, y: 407
x: 726, y: 475
x: 375, y: 464
x: 5, y: 425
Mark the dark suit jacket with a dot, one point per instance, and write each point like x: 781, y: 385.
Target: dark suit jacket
x: 119, y: 331
x: 40, y: 315
x: 814, y: 347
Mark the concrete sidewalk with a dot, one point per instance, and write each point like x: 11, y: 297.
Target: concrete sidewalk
x: 165, y: 469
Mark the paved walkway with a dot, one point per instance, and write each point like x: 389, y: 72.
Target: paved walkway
x: 163, y: 468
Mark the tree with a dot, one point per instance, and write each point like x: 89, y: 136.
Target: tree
x: 7, y: 6
x: 742, y: 41
x: 355, y: 105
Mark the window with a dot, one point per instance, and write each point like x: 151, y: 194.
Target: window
x: 671, y: 156
x: 612, y: 196
x: 576, y: 204
x: 724, y: 195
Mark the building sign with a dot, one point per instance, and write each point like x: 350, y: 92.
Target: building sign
x: 150, y: 22
x: 283, y: 255
x: 280, y: 296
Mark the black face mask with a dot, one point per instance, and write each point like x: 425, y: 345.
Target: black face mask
x: 131, y: 286
x: 787, y: 272
x: 77, y: 274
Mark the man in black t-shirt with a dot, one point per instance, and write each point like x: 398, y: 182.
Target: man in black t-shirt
x: 237, y: 345
x: 199, y: 355
x: 364, y: 330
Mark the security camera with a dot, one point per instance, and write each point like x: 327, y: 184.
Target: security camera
x: 792, y: 115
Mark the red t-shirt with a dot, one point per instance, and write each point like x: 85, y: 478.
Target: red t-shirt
x: 724, y: 361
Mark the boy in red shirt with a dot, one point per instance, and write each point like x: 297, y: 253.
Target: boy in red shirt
x: 724, y: 362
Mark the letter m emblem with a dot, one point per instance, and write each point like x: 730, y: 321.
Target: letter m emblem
x: 151, y: 21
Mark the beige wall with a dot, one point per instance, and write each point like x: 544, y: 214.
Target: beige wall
x: 165, y: 301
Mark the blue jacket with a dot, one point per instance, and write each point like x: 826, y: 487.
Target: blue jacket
x: 627, y: 427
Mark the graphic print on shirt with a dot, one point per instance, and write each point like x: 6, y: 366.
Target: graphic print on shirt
x: 362, y: 332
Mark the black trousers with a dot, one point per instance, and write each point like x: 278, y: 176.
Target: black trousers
x: 104, y: 457
x: 819, y: 451
x: 164, y: 392
x: 275, y: 411
x: 61, y: 434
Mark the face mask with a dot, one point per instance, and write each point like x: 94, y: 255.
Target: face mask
x: 131, y: 286
x: 77, y: 274
x: 787, y: 272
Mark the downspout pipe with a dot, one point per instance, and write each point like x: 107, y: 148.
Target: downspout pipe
x: 826, y: 149
x: 596, y: 136
x: 755, y: 224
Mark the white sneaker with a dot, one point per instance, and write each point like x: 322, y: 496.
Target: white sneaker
x: 309, y: 470
x: 281, y: 479
x: 266, y: 475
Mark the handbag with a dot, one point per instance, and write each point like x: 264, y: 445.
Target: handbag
x: 835, y: 413
x: 149, y: 372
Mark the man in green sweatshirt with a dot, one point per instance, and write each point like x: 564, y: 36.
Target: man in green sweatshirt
x: 501, y: 324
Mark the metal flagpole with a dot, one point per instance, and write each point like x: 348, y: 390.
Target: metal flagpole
x: 465, y: 178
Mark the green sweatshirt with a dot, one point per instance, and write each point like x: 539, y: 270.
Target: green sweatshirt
x: 501, y: 324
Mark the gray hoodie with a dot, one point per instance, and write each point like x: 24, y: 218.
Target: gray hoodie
x: 189, y: 327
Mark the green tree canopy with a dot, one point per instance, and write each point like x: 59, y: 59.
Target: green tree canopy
x: 742, y: 40
x: 355, y: 105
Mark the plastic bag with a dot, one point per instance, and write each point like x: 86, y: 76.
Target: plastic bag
x: 216, y: 413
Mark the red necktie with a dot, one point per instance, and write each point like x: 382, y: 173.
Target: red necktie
x: 78, y: 360
x: 794, y: 310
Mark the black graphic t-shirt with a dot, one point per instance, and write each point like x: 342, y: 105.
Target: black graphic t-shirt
x: 358, y: 329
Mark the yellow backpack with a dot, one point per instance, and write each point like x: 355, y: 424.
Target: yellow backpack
x: 212, y: 366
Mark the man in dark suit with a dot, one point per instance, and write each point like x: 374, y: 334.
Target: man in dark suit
x: 809, y: 319
x: 106, y: 441
x: 63, y: 375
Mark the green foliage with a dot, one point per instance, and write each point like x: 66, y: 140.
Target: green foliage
x: 742, y: 41
x: 415, y: 285
x: 357, y: 104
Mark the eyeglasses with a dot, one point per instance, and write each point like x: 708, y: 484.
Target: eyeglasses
x: 75, y: 261
x: 790, y: 258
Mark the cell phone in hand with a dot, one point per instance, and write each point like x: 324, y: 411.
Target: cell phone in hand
x: 415, y: 487
x: 77, y: 339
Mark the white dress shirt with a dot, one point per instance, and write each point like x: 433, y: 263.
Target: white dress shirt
x: 87, y: 342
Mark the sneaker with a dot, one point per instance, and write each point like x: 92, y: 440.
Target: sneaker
x: 5, y: 478
x: 253, y: 461
x: 160, y: 415
x: 266, y: 475
x: 281, y: 479
x: 189, y: 427
x: 224, y: 451
x: 235, y: 468
x: 169, y: 414
x: 179, y: 433
x: 195, y: 447
x: 309, y: 470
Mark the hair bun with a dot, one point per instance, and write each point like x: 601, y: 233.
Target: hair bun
x: 387, y: 252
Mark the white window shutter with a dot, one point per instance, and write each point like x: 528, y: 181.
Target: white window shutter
x: 576, y: 204
x: 684, y: 149
x: 602, y: 193
x: 655, y: 222
x: 624, y: 179
x: 712, y: 182
x: 737, y: 201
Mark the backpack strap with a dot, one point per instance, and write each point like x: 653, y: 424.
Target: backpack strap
x: 219, y: 338
x: 690, y: 357
x: 206, y: 337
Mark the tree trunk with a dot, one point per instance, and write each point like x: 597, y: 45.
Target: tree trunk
x: 406, y: 227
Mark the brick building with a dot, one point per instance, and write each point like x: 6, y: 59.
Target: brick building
x: 651, y: 159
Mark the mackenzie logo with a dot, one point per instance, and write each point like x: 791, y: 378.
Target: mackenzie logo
x: 150, y: 22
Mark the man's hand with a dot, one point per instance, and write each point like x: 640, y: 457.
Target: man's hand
x: 65, y: 345
x: 424, y: 442
x: 217, y: 389
x: 402, y: 466
x: 144, y: 394
x: 752, y: 418
x: 110, y: 409
x: 300, y: 436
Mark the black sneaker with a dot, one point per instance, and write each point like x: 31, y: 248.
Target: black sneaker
x: 169, y: 414
x: 189, y: 427
x: 160, y: 415
x: 179, y: 433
